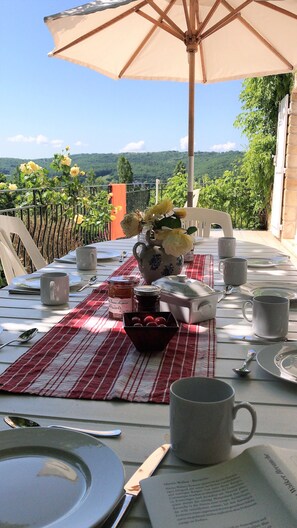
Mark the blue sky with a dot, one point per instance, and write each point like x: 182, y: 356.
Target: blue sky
x: 47, y: 104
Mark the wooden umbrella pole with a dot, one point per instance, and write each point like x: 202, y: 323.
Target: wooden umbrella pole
x: 191, y: 110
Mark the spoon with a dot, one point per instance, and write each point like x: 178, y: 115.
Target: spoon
x: 123, y: 256
x: 227, y: 291
x: 244, y: 371
x: 91, y: 281
x: 20, y: 422
x: 23, y: 338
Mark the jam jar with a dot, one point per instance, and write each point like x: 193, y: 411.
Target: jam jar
x: 121, y: 295
x: 147, y: 298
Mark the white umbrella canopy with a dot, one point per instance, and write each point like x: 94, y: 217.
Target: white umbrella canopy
x: 193, y: 41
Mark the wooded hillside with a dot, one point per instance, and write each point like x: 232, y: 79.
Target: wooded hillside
x: 146, y: 166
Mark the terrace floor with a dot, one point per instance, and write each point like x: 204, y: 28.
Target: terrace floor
x: 289, y: 247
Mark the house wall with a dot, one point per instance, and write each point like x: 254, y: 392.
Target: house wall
x: 289, y: 216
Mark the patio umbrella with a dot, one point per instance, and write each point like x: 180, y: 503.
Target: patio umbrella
x: 180, y: 40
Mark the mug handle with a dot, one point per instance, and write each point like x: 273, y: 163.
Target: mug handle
x: 244, y: 306
x: 135, y: 252
x: 52, y: 290
x: 250, y: 408
x: 221, y: 266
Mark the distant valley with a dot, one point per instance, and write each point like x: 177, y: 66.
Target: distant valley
x: 146, y: 167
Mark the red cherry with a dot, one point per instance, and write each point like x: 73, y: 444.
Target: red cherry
x: 148, y: 319
x: 151, y: 323
x: 135, y: 320
x: 160, y: 321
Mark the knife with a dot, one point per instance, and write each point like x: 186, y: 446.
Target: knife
x: 132, y: 487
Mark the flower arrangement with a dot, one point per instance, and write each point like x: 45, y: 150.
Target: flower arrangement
x: 164, y: 225
x: 67, y: 187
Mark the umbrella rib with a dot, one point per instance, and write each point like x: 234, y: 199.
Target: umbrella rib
x: 227, y: 19
x: 165, y: 17
x: 208, y: 16
x: 97, y: 29
x: 260, y: 37
x: 279, y: 9
x: 161, y: 25
x: 148, y: 36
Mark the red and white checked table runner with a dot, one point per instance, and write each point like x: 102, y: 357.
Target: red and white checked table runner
x: 87, y: 355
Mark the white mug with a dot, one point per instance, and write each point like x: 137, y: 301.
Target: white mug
x: 86, y: 258
x: 202, y: 411
x: 54, y: 288
x: 270, y: 316
x: 226, y: 247
x: 234, y: 271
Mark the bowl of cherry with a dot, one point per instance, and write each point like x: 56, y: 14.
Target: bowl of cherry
x: 150, y: 332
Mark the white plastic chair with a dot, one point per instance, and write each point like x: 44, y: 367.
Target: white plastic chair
x: 203, y: 219
x: 12, y: 266
x: 195, y: 198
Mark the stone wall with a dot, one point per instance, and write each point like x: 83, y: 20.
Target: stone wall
x: 289, y: 216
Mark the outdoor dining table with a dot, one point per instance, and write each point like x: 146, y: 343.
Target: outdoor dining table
x: 145, y: 426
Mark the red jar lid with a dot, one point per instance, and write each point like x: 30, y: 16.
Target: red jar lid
x: 123, y: 279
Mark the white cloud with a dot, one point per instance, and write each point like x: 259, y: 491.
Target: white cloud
x: 57, y: 142
x: 40, y: 139
x: 223, y: 147
x: 183, y: 143
x: 134, y: 146
x: 78, y: 143
x: 20, y: 138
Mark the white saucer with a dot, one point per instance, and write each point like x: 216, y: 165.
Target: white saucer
x: 32, y: 282
x: 52, y: 477
x: 102, y: 254
x: 270, y: 288
x: 280, y: 360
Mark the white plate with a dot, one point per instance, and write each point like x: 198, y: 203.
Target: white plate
x: 280, y: 360
x: 198, y: 240
x: 266, y: 262
x: 270, y: 288
x: 102, y: 254
x: 33, y: 281
x: 57, y: 478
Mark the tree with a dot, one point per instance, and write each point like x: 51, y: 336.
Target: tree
x: 258, y: 120
x: 125, y: 173
x: 180, y: 168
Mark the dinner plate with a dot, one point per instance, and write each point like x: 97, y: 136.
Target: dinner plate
x: 255, y: 262
x: 33, y: 281
x: 198, y: 240
x: 270, y: 288
x: 280, y: 360
x: 57, y: 478
x: 102, y: 254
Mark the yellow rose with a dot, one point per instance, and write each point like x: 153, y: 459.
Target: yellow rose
x: 65, y: 160
x: 181, y: 213
x: 131, y: 224
x: 2, y: 185
x: 23, y: 167
x: 112, y: 217
x: 74, y: 171
x: 67, y: 148
x: 160, y: 209
x: 78, y: 219
x: 33, y: 167
x: 177, y: 243
x: 12, y: 187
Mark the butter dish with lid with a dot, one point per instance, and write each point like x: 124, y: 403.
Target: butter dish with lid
x: 189, y: 300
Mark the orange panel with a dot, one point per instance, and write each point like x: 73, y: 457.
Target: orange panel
x: 118, y: 198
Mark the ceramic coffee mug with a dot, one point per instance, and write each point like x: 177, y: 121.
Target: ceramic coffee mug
x: 202, y: 411
x: 86, y: 258
x: 226, y: 247
x: 234, y: 271
x: 270, y: 316
x: 54, y: 288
